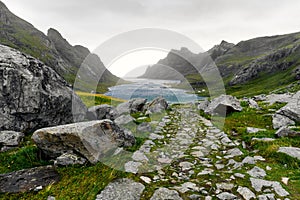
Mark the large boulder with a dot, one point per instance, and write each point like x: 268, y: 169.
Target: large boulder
x: 10, y: 140
x: 279, y: 121
x: 157, y: 105
x: 28, y: 179
x: 32, y: 95
x: 291, y: 111
x: 89, y: 139
x: 131, y: 106
x: 223, y: 104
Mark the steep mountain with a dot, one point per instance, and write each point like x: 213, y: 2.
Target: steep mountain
x: 53, y: 50
x: 242, y: 65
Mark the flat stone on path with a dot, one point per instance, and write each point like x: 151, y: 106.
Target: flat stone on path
x: 122, y: 189
x: 291, y: 151
x: 165, y: 194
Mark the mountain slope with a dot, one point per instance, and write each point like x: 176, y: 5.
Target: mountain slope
x: 240, y: 64
x: 53, y: 50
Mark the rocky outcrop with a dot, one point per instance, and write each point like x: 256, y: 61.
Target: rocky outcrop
x: 91, y: 140
x: 157, y: 105
x: 122, y: 189
x: 165, y: 194
x: 223, y: 104
x: 289, y: 114
x: 28, y: 179
x: 221, y: 49
x: 286, y: 132
x: 10, y: 140
x: 32, y: 95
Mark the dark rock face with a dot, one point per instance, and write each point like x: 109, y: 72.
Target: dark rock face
x: 131, y: 106
x: 32, y: 95
x: 219, y: 50
x: 28, y: 179
x: 158, y: 105
x: 91, y: 140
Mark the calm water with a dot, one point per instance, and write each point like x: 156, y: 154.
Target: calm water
x: 150, y: 89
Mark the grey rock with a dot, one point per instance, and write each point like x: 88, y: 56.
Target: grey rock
x: 123, y: 120
x: 258, y: 184
x: 281, y: 121
x: 99, y: 112
x: 226, y: 196
x: 266, y: 197
x: 10, y: 139
x: 286, y: 132
x: 225, y: 186
x: 263, y: 139
x: 186, y: 166
x: 257, y: 172
x: 28, y: 179
x: 132, y: 167
x: 139, y: 156
x: 69, y: 159
x: 223, y: 104
x: 253, y: 104
x: 187, y: 186
x: 291, y: 151
x: 122, y: 189
x: 254, y: 130
x: 158, y: 105
x: 32, y: 95
x: 165, y: 194
x: 91, y: 139
x: 144, y: 127
x: 278, y: 98
x: 246, y: 193
x: 146, y: 179
x: 233, y: 153
x: 292, y: 109
x: 51, y: 198
x: 203, y: 105
x: 131, y: 106
x: 249, y: 160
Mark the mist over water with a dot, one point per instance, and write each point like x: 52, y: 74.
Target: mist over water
x: 150, y: 89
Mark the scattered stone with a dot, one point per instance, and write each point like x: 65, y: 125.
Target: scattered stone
x: 254, y: 130
x: 257, y: 172
x: 69, y: 159
x: 28, y: 179
x: 164, y: 160
x: 263, y: 139
x: 10, y: 140
x: 258, y: 184
x: 249, y: 160
x: 286, y: 132
x: 246, y: 193
x: 197, y: 153
x: 233, y: 153
x: 239, y: 175
x: 268, y: 168
x: 132, y: 166
x: 154, y: 136
x: 226, y: 196
x: 203, y: 104
x: 253, y: 104
x: 131, y: 106
x: 266, y: 197
x: 90, y: 139
x: 285, y: 180
x: 195, y: 197
x: 223, y: 104
x: 51, y: 198
x: 206, y: 172
x: 225, y: 186
x: 146, y: 179
x: 219, y: 166
x: 187, y: 186
x: 186, y: 166
x: 291, y: 151
x: 122, y: 189
x: 165, y: 194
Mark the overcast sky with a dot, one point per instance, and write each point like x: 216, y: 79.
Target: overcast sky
x: 91, y: 22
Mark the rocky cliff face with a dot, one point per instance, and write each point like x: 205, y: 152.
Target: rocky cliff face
x: 53, y: 49
x: 32, y: 95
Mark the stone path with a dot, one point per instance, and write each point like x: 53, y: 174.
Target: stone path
x: 192, y: 159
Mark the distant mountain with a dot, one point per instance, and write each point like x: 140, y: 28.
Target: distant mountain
x: 248, y: 62
x: 53, y: 50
